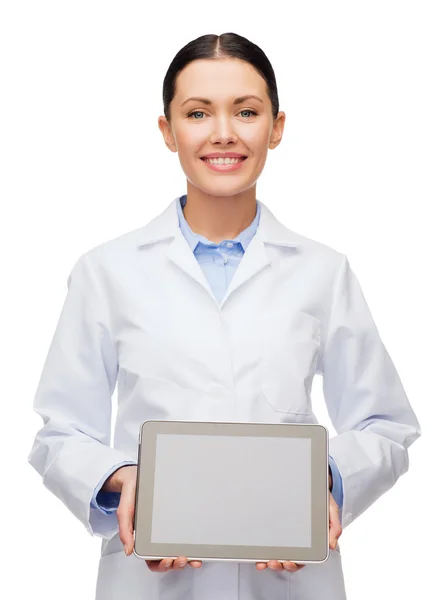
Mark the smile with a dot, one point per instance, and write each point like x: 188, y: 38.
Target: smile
x: 224, y: 164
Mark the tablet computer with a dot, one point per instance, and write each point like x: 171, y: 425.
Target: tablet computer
x: 230, y: 491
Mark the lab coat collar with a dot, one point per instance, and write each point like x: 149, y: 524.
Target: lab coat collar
x: 255, y: 259
x: 166, y: 225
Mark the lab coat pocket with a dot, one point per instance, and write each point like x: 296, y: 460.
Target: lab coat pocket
x: 289, y: 356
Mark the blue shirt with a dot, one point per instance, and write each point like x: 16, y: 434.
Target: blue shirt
x: 219, y: 263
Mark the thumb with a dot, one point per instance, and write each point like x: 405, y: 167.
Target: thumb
x: 125, y: 514
x: 335, y: 528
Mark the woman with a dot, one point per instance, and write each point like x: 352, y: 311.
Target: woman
x: 215, y: 311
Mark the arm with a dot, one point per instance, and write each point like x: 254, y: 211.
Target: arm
x: 72, y: 450
x: 365, y: 398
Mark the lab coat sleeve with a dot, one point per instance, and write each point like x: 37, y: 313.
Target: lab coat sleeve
x: 366, y: 402
x: 72, y: 450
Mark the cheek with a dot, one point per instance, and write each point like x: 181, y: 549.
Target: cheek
x: 256, y: 141
x: 190, y: 139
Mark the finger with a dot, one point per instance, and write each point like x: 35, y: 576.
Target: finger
x: 291, y: 566
x: 166, y: 564
x: 153, y: 565
x: 125, y: 513
x: 196, y: 564
x: 182, y: 561
x: 275, y: 565
x: 260, y: 566
x: 179, y: 563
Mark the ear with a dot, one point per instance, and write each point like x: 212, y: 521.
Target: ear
x: 166, y: 131
x: 277, y: 131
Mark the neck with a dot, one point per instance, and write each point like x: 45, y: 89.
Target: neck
x: 219, y: 217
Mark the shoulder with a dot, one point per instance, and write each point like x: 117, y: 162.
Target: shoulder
x: 320, y: 249
x: 319, y: 256
x: 111, y: 255
x: 311, y: 250
x: 124, y: 243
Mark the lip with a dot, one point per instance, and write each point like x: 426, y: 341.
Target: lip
x: 224, y: 155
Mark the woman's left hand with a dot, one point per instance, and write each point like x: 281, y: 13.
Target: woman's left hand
x: 335, y: 531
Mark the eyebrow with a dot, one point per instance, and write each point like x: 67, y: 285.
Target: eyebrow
x: 237, y: 101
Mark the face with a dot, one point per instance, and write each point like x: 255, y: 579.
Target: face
x: 221, y: 120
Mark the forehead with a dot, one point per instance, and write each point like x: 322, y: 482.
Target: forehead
x: 219, y: 78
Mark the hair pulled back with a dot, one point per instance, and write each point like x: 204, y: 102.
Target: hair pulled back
x: 226, y: 45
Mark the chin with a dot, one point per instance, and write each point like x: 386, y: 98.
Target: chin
x: 219, y: 187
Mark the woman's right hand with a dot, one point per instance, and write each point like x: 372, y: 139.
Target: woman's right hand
x: 123, y: 481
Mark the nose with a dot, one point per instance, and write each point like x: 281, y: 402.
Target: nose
x: 223, y: 131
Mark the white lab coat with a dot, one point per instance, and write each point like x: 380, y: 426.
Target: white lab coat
x: 140, y: 313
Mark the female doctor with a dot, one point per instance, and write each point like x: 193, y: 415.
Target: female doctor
x: 215, y: 310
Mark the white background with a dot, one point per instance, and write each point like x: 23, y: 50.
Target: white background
x: 82, y: 161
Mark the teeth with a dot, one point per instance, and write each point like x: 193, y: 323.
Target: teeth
x: 223, y: 161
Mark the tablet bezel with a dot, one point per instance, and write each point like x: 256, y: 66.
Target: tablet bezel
x: 319, y: 550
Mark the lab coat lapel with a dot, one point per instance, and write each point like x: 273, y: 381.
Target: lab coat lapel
x: 180, y: 253
x: 255, y: 259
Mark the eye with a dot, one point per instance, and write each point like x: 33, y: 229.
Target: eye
x: 248, y: 110
x: 196, y: 112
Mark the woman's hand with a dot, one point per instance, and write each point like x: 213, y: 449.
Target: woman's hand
x: 123, y: 481
x: 335, y: 528
x: 335, y: 531
x: 279, y: 566
x: 172, y: 564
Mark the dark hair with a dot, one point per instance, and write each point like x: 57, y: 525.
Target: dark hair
x: 226, y: 45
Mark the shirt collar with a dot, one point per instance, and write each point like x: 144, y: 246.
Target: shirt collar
x: 194, y: 239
